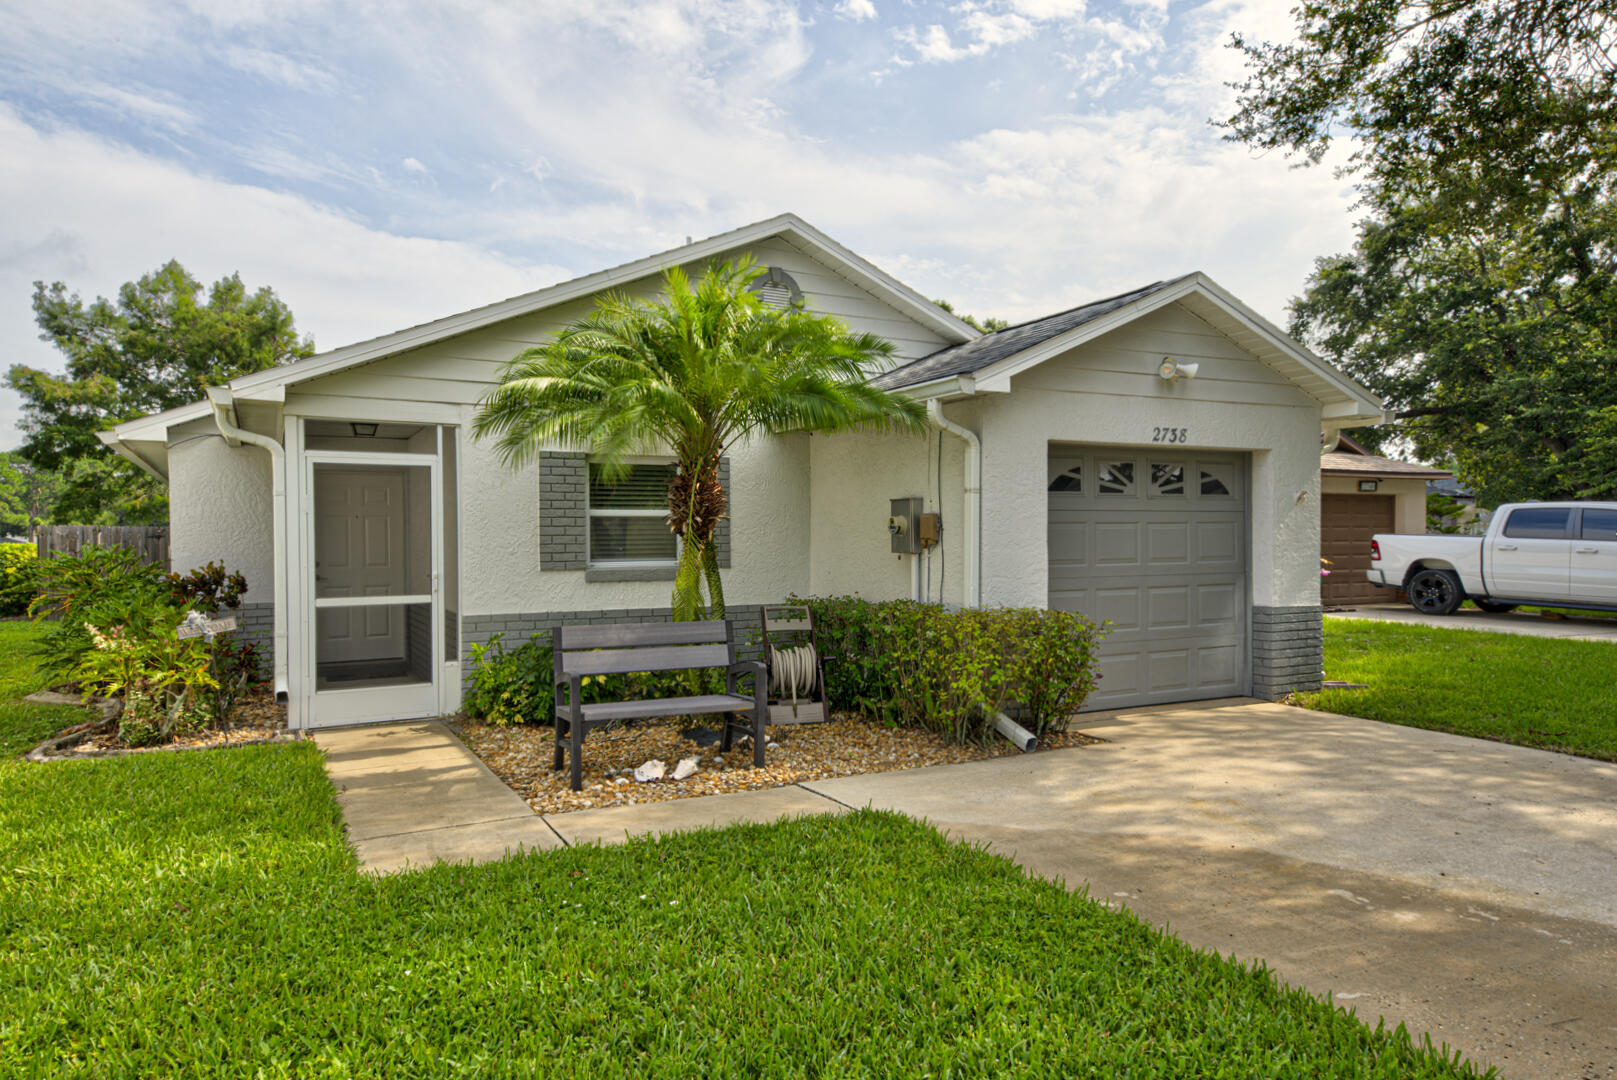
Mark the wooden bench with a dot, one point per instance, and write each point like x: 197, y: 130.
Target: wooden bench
x: 582, y: 651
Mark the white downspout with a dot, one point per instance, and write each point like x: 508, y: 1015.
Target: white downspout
x: 223, y: 405
x: 973, y: 513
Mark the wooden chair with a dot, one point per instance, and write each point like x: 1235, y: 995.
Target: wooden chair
x: 582, y: 651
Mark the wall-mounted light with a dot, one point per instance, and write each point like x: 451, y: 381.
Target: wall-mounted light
x: 1171, y: 369
x: 1369, y: 485
x: 364, y: 431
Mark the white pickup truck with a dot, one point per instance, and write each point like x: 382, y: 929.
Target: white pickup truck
x: 1560, y: 554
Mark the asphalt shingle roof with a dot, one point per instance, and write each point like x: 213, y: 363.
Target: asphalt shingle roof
x: 980, y: 352
x: 1370, y: 464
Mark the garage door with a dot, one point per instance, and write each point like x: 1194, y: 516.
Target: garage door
x: 1154, y: 543
x: 1346, y: 524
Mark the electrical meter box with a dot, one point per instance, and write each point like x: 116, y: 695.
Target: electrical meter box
x: 903, y: 526
x: 927, y: 528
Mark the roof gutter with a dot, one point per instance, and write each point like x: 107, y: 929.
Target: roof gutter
x: 224, y: 407
x: 973, y: 500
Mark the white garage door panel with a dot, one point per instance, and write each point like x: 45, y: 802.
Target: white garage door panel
x: 1161, y: 559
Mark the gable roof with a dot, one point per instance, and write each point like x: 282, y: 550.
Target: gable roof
x: 270, y: 384
x: 1352, y: 459
x: 977, y: 354
x: 988, y: 363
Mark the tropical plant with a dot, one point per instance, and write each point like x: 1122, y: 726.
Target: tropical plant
x: 692, y: 374
x: 167, y: 683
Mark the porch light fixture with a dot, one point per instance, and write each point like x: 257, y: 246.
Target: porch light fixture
x: 364, y: 431
x: 1369, y: 485
x: 1172, y: 370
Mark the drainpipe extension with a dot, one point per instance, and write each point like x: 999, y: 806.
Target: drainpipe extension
x: 223, y: 407
x: 1330, y: 440
x: 973, y: 514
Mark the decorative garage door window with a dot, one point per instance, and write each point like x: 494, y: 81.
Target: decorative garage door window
x: 628, y: 516
x: 1216, y: 480
x: 1115, y: 478
x: 1069, y: 480
x: 1167, y: 479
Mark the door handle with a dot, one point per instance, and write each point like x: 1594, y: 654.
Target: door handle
x: 1587, y: 551
x: 1506, y: 547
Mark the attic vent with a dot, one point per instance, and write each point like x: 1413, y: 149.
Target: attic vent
x: 776, y: 289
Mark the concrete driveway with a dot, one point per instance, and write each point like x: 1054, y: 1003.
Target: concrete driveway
x: 1528, y: 624
x: 1467, y: 889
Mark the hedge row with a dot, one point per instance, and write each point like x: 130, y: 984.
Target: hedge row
x: 909, y: 663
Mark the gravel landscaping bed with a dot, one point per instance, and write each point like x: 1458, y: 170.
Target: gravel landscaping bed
x: 845, y: 746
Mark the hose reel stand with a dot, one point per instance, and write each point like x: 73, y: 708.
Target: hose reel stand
x: 796, y: 667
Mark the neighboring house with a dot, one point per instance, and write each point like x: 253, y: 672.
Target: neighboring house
x: 1471, y: 519
x: 1068, y: 470
x: 1362, y: 494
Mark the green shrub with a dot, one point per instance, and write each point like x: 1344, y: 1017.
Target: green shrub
x: 19, y: 578
x: 909, y: 663
x: 512, y: 686
x: 517, y: 686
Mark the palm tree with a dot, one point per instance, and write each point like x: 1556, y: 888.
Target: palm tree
x: 691, y: 374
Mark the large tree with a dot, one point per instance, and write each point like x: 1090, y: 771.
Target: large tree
x: 691, y: 374
x: 157, y: 346
x: 1481, y: 296
x: 1495, y: 354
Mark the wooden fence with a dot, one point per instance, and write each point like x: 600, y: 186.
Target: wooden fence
x: 151, y: 541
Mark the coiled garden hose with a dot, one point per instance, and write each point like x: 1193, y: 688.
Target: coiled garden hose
x: 793, y: 672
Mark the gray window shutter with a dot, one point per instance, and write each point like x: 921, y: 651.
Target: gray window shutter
x: 721, y: 535
x: 563, y: 484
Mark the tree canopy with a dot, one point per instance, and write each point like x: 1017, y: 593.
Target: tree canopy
x: 706, y: 366
x: 28, y: 494
x: 1480, y: 298
x: 1501, y: 107
x: 155, y: 347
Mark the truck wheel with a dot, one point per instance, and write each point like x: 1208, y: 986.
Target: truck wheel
x: 1493, y: 608
x: 1435, y: 592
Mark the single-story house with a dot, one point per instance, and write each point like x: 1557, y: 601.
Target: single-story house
x: 1362, y: 494
x: 1151, y: 459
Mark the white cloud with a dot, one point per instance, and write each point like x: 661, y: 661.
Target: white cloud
x: 413, y: 165
x: 857, y: 10
x: 640, y: 129
x: 101, y: 214
x: 280, y: 68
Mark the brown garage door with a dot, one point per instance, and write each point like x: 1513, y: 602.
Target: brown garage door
x: 1347, y: 522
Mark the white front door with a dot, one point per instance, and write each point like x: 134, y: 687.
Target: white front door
x: 1594, y: 558
x: 359, y: 551
x: 373, y: 585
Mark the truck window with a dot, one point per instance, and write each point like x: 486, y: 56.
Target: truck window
x: 1538, y: 523
x: 1600, y: 524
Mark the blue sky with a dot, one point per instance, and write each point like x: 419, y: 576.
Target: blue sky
x: 379, y: 165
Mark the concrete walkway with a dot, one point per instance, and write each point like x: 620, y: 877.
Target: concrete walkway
x: 1465, y: 888
x: 413, y: 794
x: 1530, y: 624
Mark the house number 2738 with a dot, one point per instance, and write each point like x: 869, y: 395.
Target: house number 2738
x: 1170, y: 434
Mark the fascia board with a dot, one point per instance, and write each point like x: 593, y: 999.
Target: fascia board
x: 1289, y: 345
x: 875, y: 279
x: 254, y: 386
x: 127, y: 452
x: 155, y: 427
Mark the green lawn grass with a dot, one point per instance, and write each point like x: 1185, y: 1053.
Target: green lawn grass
x: 24, y: 726
x: 1543, y: 692
x: 199, y: 914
